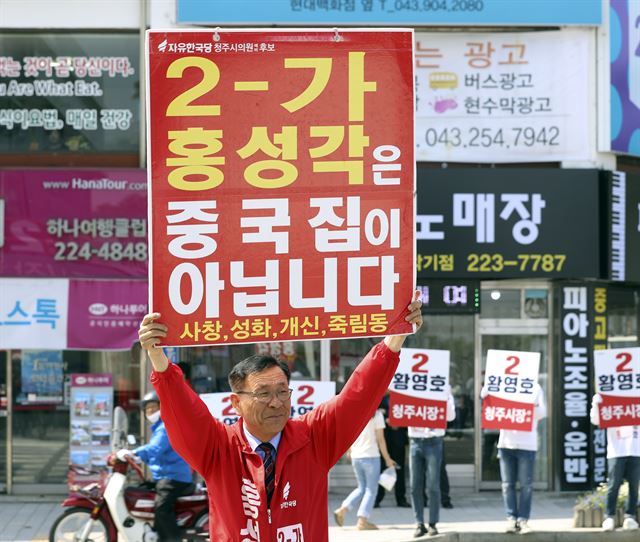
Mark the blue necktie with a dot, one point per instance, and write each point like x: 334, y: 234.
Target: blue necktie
x: 269, y: 468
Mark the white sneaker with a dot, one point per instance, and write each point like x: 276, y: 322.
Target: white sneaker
x: 608, y: 524
x: 629, y: 524
x: 524, y: 527
x: 512, y: 526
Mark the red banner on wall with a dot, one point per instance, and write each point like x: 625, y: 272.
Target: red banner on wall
x: 282, y: 181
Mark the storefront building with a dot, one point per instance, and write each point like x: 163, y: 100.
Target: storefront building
x: 527, y: 223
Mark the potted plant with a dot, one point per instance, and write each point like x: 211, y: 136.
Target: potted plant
x: 589, y: 510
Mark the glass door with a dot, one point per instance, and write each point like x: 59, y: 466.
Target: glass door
x: 510, y: 320
x: 40, y: 422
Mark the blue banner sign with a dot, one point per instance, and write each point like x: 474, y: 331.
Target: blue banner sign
x: 391, y: 12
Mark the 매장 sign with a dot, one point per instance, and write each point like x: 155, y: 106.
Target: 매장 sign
x: 73, y: 223
x: 502, y: 97
x: 508, y: 223
x: 617, y: 373
x: 386, y: 12
x: 306, y: 395
x: 419, y: 389
x: 62, y: 314
x: 68, y: 93
x: 510, y: 380
x: 282, y: 184
x: 625, y: 76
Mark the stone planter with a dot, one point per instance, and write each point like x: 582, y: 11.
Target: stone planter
x: 592, y: 517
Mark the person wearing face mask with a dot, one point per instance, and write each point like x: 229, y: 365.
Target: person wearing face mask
x: 171, y: 474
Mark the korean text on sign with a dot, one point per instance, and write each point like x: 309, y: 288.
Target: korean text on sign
x: 419, y: 389
x: 617, y: 374
x: 510, y: 379
x: 281, y: 187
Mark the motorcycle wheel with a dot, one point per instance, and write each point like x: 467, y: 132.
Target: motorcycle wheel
x: 69, y: 526
x: 201, y: 534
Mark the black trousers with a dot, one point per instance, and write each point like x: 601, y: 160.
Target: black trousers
x: 396, y: 440
x: 167, y: 493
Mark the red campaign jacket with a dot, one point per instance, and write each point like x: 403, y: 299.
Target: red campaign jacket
x: 309, y: 447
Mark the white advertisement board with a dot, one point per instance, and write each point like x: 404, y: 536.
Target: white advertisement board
x: 33, y: 313
x: 503, y: 97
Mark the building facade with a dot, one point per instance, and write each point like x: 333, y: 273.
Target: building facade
x: 527, y: 213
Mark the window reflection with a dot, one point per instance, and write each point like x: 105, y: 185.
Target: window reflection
x: 500, y: 303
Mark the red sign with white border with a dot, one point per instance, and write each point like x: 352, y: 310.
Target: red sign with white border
x: 282, y: 176
x: 617, y: 374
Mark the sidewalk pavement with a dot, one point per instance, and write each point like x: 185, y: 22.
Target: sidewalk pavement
x: 476, y: 517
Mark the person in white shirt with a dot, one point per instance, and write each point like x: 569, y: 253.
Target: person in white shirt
x: 517, y: 454
x: 365, y: 458
x: 425, y: 458
x: 623, y: 458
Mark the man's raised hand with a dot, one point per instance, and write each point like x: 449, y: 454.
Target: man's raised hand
x: 151, y: 333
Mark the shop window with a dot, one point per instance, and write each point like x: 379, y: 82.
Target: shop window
x: 69, y: 99
x: 207, y: 367
x: 622, y: 317
x: 500, y: 303
x: 41, y: 401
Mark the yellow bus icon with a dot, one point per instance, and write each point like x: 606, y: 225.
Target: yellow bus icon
x: 443, y: 80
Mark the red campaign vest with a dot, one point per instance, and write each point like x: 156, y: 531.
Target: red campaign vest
x: 309, y: 447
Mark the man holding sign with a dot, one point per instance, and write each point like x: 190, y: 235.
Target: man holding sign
x: 268, y: 473
x: 513, y: 402
x: 616, y: 407
x: 421, y: 399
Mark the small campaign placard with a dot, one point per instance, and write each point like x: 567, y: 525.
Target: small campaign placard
x: 617, y: 374
x: 510, y: 379
x: 419, y: 389
x: 306, y: 395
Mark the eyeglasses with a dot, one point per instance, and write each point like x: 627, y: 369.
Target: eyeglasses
x: 266, y: 396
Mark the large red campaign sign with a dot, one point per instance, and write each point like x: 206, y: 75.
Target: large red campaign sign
x: 281, y: 180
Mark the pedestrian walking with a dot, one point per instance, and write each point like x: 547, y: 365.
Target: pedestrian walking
x: 365, y: 458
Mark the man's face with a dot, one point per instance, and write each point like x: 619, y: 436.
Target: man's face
x: 151, y: 407
x: 263, y: 420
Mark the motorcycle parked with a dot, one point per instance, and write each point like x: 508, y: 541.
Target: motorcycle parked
x: 109, y: 511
